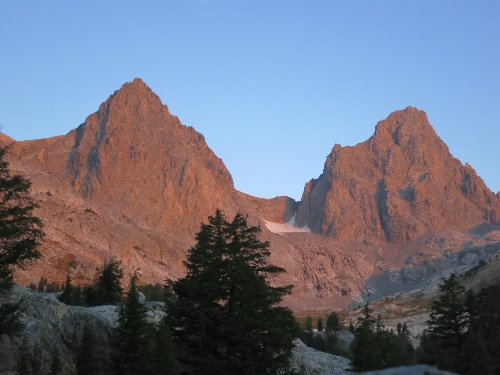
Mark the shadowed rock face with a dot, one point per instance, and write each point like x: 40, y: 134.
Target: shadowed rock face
x: 397, y: 185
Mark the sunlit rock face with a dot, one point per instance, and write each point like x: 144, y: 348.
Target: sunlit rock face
x: 396, y: 186
x: 133, y: 182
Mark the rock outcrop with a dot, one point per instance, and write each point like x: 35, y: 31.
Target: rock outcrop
x: 396, y: 186
x: 308, y: 361
x: 53, y: 327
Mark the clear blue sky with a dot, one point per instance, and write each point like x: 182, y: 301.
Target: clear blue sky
x: 272, y: 84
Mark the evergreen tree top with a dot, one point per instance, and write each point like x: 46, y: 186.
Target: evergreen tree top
x: 226, y: 305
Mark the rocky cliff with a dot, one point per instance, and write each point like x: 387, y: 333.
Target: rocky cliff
x: 134, y: 182
x: 397, y: 185
x: 134, y: 153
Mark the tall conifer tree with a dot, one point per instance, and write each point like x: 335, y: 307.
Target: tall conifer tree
x: 225, y: 316
x: 130, y: 347
x: 447, y: 325
x: 20, y: 235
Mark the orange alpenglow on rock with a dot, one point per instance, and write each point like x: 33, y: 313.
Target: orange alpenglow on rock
x: 134, y: 182
x: 397, y: 185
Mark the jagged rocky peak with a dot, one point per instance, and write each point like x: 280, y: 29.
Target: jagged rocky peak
x: 133, y: 152
x: 402, y: 125
x: 136, y: 97
x: 397, y: 185
x: 407, y: 133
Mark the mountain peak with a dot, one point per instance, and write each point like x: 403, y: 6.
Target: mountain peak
x: 133, y: 138
x: 138, y: 81
x: 397, y: 185
x: 132, y: 97
x: 409, y: 116
x: 405, y: 127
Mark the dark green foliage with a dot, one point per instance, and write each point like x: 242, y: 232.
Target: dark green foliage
x: 20, y: 231
x: 308, y: 336
x: 78, y: 296
x: 447, y: 325
x: 108, y: 289
x: 130, y: 343
x: 163, y: 356
x: 395, y: 349
x: 320, y: 325
x: 333, y: 322
x: 479, y: 354
x: 224, y: 316
x: 9, y: 319
x: 375, y: 348
x: 364, y: 348
x: 72, y: 295
x: 89, y: 295
x: 53, y: 287
x: 44, y: 286
x: 67, y: 296
x: 20, y: 235
x: 462, y: 334
x: 93, y: 354
x: 333, y: 345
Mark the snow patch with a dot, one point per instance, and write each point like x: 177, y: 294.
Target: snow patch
x: 288, y: 227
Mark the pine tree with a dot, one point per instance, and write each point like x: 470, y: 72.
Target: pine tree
x: 333, y: 322
x: 130, y: 349
x: 42, y: 284
x: 20, y: 235
x: 9, y: 319
x: 108, y: 290
x: 364, y: 348
x: 309, y: 335
x: 442, y: 342
x: 394, y: 349
x: 163, y: 358
x: 108, y: 285
x: 90, y: 296
x: 320, y: 325
x: 20, y: 231
x: 225, y: 317
x: 479, y: 354
x: 92, y: 356
x: 67, y: 294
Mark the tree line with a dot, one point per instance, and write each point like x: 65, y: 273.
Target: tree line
x: 462, y: 333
